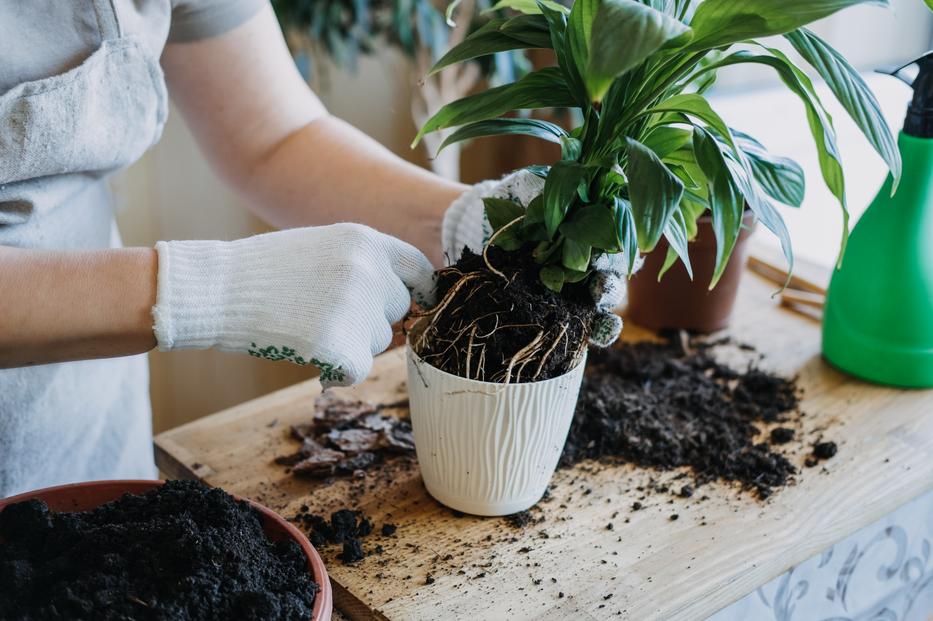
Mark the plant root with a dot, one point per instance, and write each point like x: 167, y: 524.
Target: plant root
x: 501, y: 325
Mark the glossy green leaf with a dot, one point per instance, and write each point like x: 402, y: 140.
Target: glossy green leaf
x: 725, y: 199
x: 627, y: 232
x: 853, y: 93
x: 625, y: 33
x: 664, y: 140
x: 575, y: 256
x: 821, y: 125
x: 558, y: 25
x: 529, y: 7
x: 654, y: 191
x: 593, y: 225
x: 677, y: 236
x: 509, y: 126
x: 579, y: 31
x: 718, y: 23
x: 780, y: 177
x: 670, y: 258
x: 570, y: 148
x: 498, y: 35
x: 544, y: 88
x: 560, y: 188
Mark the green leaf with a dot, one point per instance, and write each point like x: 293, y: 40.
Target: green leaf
x: 929, y: 3
x: 852, y: 92
x: 544, y: 88
x: 535, y: 212
x: 625, y: 33
x: 726, y: 201
x: 570, y: 148
x: 558, y: 25
x: 529, y: 7
x: 655, y: 192
x: 560, y: 187
x: 553, y: 277
x: 695, y: 106
x: 821, y: 125
x: 498, y: 35
x: 664, y: 139
x: 575, y: 256
x: 669, y: 260
x: 719, y: 23
x: 499, y: 127
x: 579, y: 30
x: 677, y: 235
x: 593, y: 225
x: 627, y: 232
x: 500, y: 214
x: 780, y: 177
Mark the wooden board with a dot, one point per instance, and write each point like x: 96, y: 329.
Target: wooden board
x: 647, y: 566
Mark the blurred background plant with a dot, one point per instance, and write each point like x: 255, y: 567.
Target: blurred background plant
x: 423, y: 30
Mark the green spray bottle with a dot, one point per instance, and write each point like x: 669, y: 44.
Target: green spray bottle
x: 878, y: 318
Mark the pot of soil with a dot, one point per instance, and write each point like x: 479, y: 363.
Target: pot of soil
x: 678, y: 303
x: 73, y: 552
x: 493, y: 376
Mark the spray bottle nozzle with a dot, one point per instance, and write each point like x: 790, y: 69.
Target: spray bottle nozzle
x: 919, y: 121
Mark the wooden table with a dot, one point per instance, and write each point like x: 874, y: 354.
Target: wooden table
x: 573, y: 564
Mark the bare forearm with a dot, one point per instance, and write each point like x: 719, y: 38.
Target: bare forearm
x: 57, y: 306
x: 328, y: 171
x: 268, y: 135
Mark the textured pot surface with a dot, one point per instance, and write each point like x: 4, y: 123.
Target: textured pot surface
x: 90, y: 495
x: 678, y: 303
x: 486, y: 448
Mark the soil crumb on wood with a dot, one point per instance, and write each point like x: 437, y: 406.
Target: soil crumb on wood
x: 182, y: 551
x: 345, y: 528
x: 347, y: 438
x: 666, y: 406
x: 493, y: 327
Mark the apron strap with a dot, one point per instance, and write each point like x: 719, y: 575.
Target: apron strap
x: 107, y: 20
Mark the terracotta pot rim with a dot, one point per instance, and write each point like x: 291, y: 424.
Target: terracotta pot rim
x: 323, y: 602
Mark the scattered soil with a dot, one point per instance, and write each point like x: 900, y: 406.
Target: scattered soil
x: 821, y: 452
x: 182, y: 551
x: 345, y: 528
x: 669, y: 405
x: 504, y: 328
x: 347, y: 438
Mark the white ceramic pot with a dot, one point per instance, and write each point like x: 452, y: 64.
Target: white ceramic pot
x: 487, y: 448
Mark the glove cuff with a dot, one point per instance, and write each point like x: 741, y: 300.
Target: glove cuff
x: 196, y: 305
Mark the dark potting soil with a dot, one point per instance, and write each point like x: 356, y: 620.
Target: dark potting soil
x: 181, y: 551
x: 490, y: 328
x: 665, y: 406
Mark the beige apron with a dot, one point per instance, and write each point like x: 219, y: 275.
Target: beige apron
x: 59, y: 138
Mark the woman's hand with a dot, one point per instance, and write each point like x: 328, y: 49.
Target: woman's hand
x: 325, y: 296
x: 465, y: 225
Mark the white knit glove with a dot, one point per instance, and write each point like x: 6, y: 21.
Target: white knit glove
x: 465, y: 224
x: 325, y: 296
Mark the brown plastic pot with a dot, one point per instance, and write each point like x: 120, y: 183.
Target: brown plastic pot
x: 90, y: 495
x: 678, y: 303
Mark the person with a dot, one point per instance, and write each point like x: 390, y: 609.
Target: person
x: 83, y: 93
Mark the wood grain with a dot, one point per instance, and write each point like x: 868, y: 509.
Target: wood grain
x: 647, y: 566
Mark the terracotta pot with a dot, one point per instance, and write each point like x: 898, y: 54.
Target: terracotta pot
x: 87, y: 496
x: 678, y: 303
